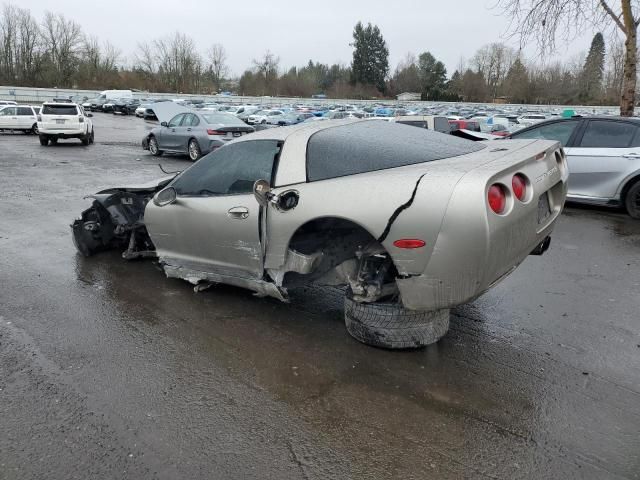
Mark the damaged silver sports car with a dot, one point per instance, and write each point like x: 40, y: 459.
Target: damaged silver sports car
x: 410, y: 221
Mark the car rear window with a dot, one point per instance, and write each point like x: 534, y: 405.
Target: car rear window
x: 59, y: 110
x: 372, y: 145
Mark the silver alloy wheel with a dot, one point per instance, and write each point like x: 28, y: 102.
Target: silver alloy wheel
x: 153, y: 146
x: 34, y: 129
x: 194, y: 150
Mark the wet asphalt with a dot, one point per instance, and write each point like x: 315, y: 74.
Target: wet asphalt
x: 109, y: 370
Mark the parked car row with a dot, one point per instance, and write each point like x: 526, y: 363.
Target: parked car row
x: 52, y: 121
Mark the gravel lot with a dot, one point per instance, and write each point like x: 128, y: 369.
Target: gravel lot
x: 110, y: 370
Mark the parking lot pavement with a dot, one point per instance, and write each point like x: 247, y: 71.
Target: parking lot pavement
x: 110, y: 370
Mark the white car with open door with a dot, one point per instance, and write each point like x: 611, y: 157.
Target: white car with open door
x: 19, y: 117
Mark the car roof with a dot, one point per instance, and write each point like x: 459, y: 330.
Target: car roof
x: 64, y: 104
x: 281, y: 133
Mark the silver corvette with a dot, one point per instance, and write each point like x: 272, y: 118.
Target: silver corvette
x: 410, y: 221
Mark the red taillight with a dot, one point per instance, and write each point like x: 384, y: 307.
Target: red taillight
x: 519, y: 185
x: 497, y: 198
x: 409, y: 243
x: 215, y: 132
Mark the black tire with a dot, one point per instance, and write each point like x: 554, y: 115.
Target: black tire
x: 632, y: 200
x: 86, y: 139
x: 34, y: 129
x: 54, y: 141
x: 153, y: 147
x: 92, y: 138
x: 390, y: 325
x: 263, y: 122
x: 193, y: 150
x: 44, y: 140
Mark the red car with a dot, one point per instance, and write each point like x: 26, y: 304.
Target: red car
x: 464, y: 125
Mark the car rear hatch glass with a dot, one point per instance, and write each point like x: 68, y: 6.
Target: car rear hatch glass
x: 375, y: 145
x: 59, y: 110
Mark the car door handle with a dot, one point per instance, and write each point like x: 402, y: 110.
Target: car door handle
x: 238, y: 213
x: 631, y: 155
x: 188, y: 129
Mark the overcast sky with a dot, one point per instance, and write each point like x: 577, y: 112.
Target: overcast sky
x: 297, y: 30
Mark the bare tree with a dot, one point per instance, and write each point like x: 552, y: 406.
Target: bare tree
x: 217, y: 57
x: 63, y: 40
x: 545, y: 20
x: 29, y: 39
x: 8, y: 42
x: 267, y: 68
x: 494, y: 61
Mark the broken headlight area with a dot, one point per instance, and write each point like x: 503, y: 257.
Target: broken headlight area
x: 114, y: 221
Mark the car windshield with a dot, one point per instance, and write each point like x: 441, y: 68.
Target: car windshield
x: 59, y: 109
x: 222, y: 118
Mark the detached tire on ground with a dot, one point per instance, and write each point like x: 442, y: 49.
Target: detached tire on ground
x: 390, y: 325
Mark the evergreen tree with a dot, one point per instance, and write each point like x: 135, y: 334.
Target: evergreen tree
x: 593, y: 71
x: 516, y: 84
x: 433, y: 76
x: 370, y: 63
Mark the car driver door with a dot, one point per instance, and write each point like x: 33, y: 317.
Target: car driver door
x: 214, y: 223
x: 8, y: 117
x: 169, y: 135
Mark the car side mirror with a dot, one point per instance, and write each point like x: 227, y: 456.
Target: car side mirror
x: 262, y: 192
x: 165, y: 197
x: 164, y: 124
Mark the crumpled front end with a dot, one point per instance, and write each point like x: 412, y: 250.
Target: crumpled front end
x: 114, y: 221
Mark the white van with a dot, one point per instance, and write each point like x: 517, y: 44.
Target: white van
x: 115, y: 94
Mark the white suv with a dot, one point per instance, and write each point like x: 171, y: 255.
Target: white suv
x: 64, y: 120
x: 19, y: 117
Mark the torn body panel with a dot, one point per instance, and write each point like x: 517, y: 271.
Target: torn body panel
x: 175, y: 268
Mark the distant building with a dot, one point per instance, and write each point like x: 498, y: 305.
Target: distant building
x: 409, y: 97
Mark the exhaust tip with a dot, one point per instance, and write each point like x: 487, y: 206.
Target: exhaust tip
x: 542, y: 247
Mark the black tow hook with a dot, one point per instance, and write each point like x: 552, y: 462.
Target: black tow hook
x: 542, y: 247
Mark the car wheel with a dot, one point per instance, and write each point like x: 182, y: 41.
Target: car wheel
x: 54, y: 141
x: 153, y: 147
x: 632, y: 200
x: 34, y: 129
x: 390, y: 325
x: 194, y: 150
x: 44, y: 140
x: 92, y: 137
x: 263, y: 122
x: 86, y: 139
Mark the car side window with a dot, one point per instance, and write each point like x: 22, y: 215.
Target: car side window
x: 187, y: 120
x: 559, y: 131
x: 191, y: 121
x: 175, y: 121
x: 8, y: 111
x: 230, y: 170
x: 606, y: 134
x: 25, y: 111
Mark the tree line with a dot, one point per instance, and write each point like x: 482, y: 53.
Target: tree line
x: 55, y: 52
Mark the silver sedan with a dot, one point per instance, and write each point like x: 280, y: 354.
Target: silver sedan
x: 194, y: 133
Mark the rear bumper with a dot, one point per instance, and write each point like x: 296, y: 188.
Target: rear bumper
x: 62, y: 133
x: 475, y: 249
